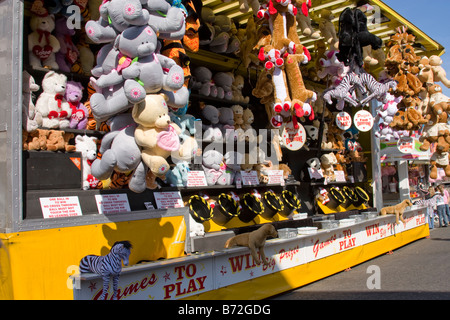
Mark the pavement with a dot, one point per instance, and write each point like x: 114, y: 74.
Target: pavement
x: 417, y: 271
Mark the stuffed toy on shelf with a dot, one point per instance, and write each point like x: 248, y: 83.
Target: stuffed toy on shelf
x: 42, y: 44
x: 52, y: 109
x: 73, y: 95
x: 87, y: 146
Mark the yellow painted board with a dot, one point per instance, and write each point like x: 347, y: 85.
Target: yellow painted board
x: 276, y: 283
x: 40, y: 261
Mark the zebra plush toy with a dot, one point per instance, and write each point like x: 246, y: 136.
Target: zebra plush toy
x: 342, y: 92
x: 108, y: 266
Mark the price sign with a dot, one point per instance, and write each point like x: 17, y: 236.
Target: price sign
x: 293, y: 139
x: 363, y: 120
x: 343, y: 120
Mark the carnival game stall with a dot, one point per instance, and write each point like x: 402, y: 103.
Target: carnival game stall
x: 200, y: 149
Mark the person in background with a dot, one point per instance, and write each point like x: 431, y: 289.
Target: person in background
x: 446, y: 200
x: 429, y: 201
x: 441, y: 209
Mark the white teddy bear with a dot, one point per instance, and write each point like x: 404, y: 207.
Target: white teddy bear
x: 52, y: 110
x: 42, y: 45
x: 28, y: 87
x: 88, y: 148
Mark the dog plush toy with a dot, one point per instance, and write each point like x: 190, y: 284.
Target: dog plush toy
x: 254, y: 240
x: 398, y: 210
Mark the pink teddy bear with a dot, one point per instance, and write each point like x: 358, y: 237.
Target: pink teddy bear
x: 73, y: 95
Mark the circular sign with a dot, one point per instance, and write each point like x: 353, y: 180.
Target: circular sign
x: 363, y: 120
x: 343, y: 121
x: 293, y: 139
x: 405, y: 145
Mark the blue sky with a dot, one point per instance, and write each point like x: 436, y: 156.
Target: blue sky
x: 433, y: 18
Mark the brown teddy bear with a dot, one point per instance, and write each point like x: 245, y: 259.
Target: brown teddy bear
x: 59, y: 140
x: 35, y: 140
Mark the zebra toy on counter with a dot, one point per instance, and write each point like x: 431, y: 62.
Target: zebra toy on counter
x: 108, y: 266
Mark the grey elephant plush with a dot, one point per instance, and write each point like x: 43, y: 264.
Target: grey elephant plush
x: 121, y: 153
x: 115, y: 17
x: 141, y: 69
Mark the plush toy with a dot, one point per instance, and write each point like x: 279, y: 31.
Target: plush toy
x: 376, y: 89
x: 386, y: 113
x: 224, y: 83
x: 226, y: 123
x: 342, y: 92
x: 73, y: 95
x: 59, y: 140
x: 438, y: 101
x: 248, y: 133
x: 254, y: 240
x: 143, y: 70
x: 202, y: 82
x: 52, y: 110
x: 214, y: 167
x: 327, y: 29
x: 115, y: 17
x: 236, y: 89
x: 28, y: 108
x: 329, y: 65
x: 210, y: 123
x: 439, y: 73
x: 238, y: 115
x: 245, y: 5
x: 426, y: 75
x: 109, y: 266
x: 224, y: 40
x: 353, y: 37
x: 327, y: 162
x: 42, y: 45
x: 177, y: 176
x: 304, y: 19
x: 322, y: 196
x: 120, y: 153
x: 155, y: 134
x: 88, y: 148
x: 35, y: 140
x: 68, y: 53
x: 398, y: 210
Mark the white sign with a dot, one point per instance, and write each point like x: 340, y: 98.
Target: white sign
x: 343, y: 121
x: 406, y: 145
x: 363, y: 120
x: 196, y: 179
x: 60, y: 207
x: 249, y: 178
x: 165, y: 200
x: 112, y: 203
x: 315, y: 173
x: 293, y: 139
x: 276, y: 177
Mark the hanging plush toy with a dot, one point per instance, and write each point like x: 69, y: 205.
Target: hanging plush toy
x: 156, y: 135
